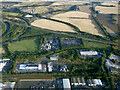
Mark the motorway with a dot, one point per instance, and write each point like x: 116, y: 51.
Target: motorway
x: 62, y: 33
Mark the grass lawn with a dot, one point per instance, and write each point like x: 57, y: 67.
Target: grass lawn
x: 24, y: 45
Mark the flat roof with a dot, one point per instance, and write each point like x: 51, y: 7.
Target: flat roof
x: 66, y: 83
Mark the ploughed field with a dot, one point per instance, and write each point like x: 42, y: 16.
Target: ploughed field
x: 107, y: 20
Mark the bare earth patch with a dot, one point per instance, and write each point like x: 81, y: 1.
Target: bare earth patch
x: 2, y: 50
x: 52, y: 25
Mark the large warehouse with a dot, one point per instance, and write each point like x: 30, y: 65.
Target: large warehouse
x: 88, y: 53
x: 66, y: 84
x: 2, y: 64
x: 31, y: 66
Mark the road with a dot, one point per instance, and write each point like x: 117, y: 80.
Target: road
x: 62, y: 33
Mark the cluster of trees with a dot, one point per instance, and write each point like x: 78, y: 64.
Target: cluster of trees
x: 14, y: 32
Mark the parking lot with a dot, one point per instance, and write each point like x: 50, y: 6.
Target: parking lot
x: 37, y: 84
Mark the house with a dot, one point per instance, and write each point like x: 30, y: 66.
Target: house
x: 66, y: 84
x: 53, y: 58
x: 78, y: 81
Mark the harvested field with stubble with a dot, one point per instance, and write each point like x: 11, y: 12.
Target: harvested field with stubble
x: 72, y: 14
x: 107, y: 10
x: 85, y: 9
x: 70, y: 3
x: 110, y: 3
x: 52, y: 25
x: 82, y: 20
x: 85, y: 25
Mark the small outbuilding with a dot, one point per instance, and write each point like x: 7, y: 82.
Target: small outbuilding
x: 53, y: 58
x: 28, y: 16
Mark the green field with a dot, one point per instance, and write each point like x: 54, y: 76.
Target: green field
x: 24, y: 45
x: 89, y: 44
x: 10, y: 13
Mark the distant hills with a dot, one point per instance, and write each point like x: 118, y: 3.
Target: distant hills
x: 55, y: 0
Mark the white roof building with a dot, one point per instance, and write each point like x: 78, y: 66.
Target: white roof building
x: 66, y: 84
x: 27, y: 66
x: 115, y: 57
x: 39, y: 67
x: 4, y: 59
x: 98, y: 82
x: 7, y: 85
x: 29, y: 16
x: 53, y: 58
x: 50, y: 67
x: 88, y: 53
x: 22, y: 66
x: 2, y: 64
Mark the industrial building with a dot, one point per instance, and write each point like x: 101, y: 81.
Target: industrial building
x: 3, y: 63
x: 115, y: 57
x: 50, y: 67
x: 28, y: 16
x: 94, y: 82
x: 66, y: 84
x: 64, y: 68
x: 53, y: 58
x: 88, y: 53
x: 78, y: 81
x: 50, y: 44
x: 7, y: 85
x: 91, y: 82
x: 31, y: 66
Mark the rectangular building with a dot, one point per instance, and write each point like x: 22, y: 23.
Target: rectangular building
x: 53, y: 58
x: 2, y: 64
x: 78, y: 81
x: 88, y: 53
x: 66, y: 84
x: 31, y: 66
